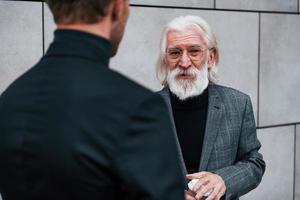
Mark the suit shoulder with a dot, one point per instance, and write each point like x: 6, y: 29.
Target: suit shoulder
x: 228, y: 92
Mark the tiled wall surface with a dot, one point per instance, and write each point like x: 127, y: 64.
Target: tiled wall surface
x: 278, y: 151
x: 279, y: 69
x: 259, y: 45
x: 21, y: 38
x: 264, y: 5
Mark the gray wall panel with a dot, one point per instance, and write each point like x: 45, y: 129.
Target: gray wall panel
x: 20, y: 38
x: 266, y: 5
x: 238, y: 42
x: 184, y: 3
x: 235, y: 31
x: 278, y: 151
x: 49, y: 26
x: 279, y: 69
x: 297, y: 164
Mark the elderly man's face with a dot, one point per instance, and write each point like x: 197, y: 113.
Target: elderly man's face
x: 186, y: 49
x: 187, y: 62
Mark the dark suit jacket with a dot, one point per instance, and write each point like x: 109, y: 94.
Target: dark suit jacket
x: 230, y: 146
x: 70, y: 128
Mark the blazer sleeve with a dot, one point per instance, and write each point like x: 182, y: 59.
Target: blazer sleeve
x: 147, y: 156
x: 249, y: 168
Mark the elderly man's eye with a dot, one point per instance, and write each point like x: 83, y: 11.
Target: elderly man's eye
x: 174, y: 52
x: 194, y: 52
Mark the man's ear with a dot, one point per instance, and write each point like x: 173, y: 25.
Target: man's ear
x: 117, y: 8
x: 212, y: 58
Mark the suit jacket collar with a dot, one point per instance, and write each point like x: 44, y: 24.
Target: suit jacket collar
x: 80, y: 44
x: 214, y: 114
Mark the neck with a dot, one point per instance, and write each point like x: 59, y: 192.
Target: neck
x: 101, y: 29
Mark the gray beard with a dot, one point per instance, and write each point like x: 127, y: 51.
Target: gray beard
x: 185, y: 89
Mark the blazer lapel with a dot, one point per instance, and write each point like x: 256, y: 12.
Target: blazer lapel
x: 166, y: 95
x: 214, y: 113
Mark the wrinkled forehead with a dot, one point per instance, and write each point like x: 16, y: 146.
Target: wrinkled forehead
x: 189, y: 36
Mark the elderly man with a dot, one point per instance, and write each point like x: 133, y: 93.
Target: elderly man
x: 72, y: 129
x: 215, y: 124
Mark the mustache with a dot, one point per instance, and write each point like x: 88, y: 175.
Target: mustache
x: 186, y: 72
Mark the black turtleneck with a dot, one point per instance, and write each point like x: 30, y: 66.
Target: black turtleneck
x: 81, y: 45
x: 190, y: 119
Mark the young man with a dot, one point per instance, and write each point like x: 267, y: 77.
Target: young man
x: 70, y: 128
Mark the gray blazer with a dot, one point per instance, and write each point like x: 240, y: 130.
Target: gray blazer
x: 230, y: 146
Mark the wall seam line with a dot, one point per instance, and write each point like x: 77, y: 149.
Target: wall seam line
x: 215, y: 9
x: 278, y: 125
x: 43, y: 27
x: 258, y: 70
x: 295, y: 151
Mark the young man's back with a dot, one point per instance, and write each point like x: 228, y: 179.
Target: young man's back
x: 70, y: 128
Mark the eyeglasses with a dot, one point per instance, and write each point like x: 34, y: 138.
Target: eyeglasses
x: 195, y: 53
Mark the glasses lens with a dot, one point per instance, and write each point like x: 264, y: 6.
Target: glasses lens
x: 174, y: 53
x: 195, y: 53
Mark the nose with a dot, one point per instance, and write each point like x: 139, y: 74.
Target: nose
x: 185, y: 61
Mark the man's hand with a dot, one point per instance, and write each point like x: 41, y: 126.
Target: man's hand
x: 209, y: 184
x: 189, y: 195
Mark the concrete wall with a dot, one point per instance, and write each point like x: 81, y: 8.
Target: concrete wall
x: 259, y: 45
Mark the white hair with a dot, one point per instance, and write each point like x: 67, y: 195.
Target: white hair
x: 180, y: 24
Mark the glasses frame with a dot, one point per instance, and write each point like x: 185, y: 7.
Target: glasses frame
x: 191, y: 53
